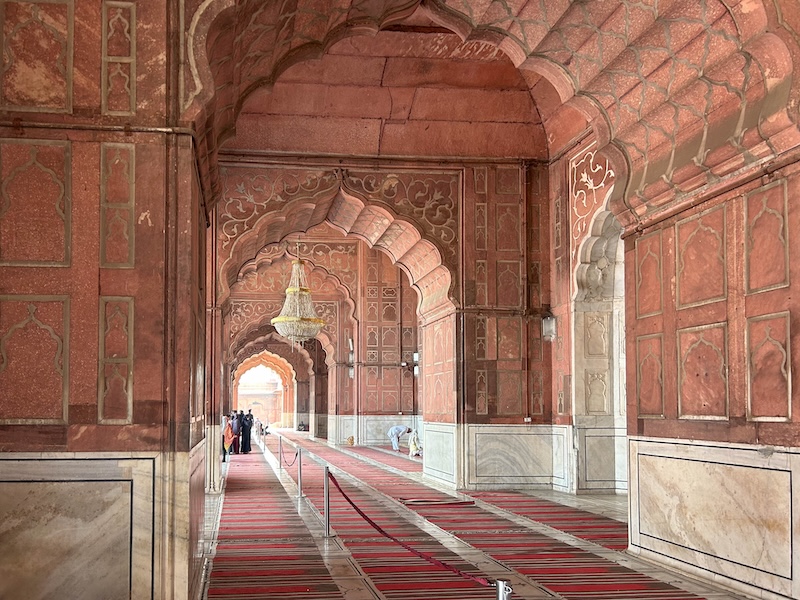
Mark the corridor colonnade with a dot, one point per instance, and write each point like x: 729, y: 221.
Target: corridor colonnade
x: 457, y: 174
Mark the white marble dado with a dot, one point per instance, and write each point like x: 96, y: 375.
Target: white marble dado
x: 341, y: 427
x: 369, y: 430
x: 602, y: 456
x: 76, y: 526
x: 440, y: 453
x: 522, y: 456
x: 728, y: 510
x: 372, y: 428
x: 52, y: 528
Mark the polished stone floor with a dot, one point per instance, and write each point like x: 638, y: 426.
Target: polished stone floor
x: 354, y: 579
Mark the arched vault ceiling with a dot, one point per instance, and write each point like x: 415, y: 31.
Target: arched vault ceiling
x: 679, y: 92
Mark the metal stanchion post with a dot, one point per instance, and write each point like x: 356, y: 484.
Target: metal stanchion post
x: 503, y: 589
x: 299, y: 472
x: 280, y: 452
x: 327, y: 503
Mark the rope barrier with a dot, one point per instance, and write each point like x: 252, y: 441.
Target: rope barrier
x: 427, y: 502
x: 286, y: 462
x: 481, y: 580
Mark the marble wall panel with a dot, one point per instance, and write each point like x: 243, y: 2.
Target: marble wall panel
x: 440, y: 453
x: 81, y: 564
x: 520, y: 455
x: 727, y: 511
x: 595, y: 338
x: 372, y: 428
x: 37, y: 80
x: 107, y: 506
x: 597, y: 390
x: 35, y: 197
x: 34, y: 347
x: 598, y: 452
x: 196, y: 518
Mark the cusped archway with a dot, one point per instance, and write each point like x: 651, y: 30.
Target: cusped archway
x: 411, y: 217
x: 277, y: 410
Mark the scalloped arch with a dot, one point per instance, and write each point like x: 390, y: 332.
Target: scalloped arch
x: 270, y: 360
x: 259, y: 341
x: 377, y: 226
x: 262, y: 324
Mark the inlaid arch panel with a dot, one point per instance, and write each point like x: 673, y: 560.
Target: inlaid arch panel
x: 703, y: 372
x: 701, y: 274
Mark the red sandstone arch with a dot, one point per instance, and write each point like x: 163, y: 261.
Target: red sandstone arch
x: 320, y: 280
x: 678, y: 94
x: 374, y: 224
x: 277, y: 364
x: 267, y: 340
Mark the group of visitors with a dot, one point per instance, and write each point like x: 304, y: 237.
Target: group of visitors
x: 236, y: 430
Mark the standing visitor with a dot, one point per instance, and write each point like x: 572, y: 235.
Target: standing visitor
x: 247, y: 427
x: 414, y: 445
x: 227, y: 437
x: 236, y: 429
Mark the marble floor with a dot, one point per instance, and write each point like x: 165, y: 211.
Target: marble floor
x: 356, y: 579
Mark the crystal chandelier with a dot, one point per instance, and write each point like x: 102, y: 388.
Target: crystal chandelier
x: 298, y: 322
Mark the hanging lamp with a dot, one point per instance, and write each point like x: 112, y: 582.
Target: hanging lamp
x: 297, y: 321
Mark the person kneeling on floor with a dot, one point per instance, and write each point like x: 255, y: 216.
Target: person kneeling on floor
x: 414, y: 445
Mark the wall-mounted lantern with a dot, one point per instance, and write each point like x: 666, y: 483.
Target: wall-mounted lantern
x: 549, y: 332
x: 351, y: 370
x: 413, y: 365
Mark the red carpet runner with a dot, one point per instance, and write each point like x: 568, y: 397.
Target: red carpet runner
x: 396, y: 572
x: 567, y: 570
x: 264, y: 550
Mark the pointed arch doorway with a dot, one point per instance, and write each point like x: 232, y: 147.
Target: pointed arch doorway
x: 265, y: 384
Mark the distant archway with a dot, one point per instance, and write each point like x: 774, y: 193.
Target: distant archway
x: 270, y: 404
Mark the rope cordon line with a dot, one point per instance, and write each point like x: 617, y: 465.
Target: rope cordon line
x: 286, y: 462
x: 422, y: 555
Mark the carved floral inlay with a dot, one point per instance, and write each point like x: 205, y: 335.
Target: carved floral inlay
x: 591, y: 181
x: 249, y: 194
x: 431, y: 199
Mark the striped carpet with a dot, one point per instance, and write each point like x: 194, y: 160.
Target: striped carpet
x: 604, y: 531
x: 567, y: 570
x: 396, y: 572
x: 263, y: 548
x: 387, y: 456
